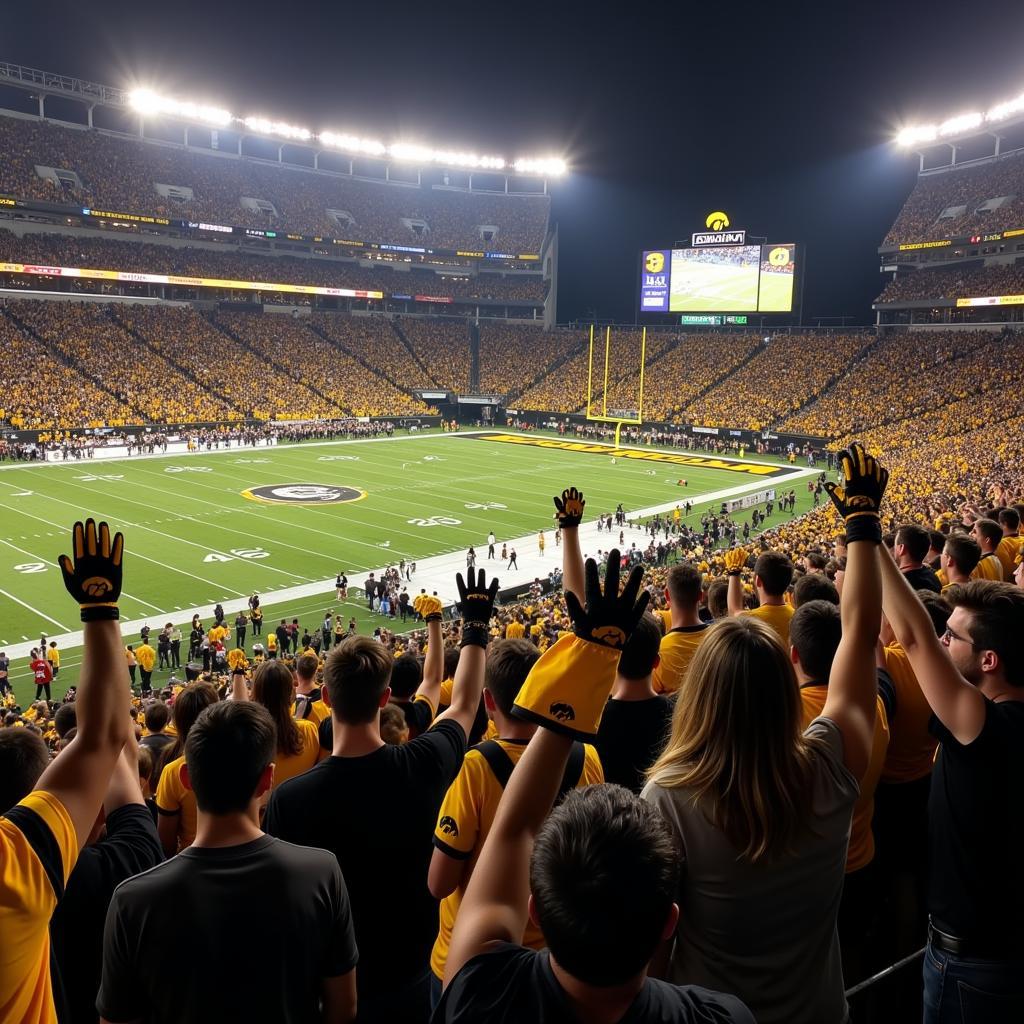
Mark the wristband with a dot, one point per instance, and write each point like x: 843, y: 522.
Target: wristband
x: 733, y: 572
x: 475, y: 634
x: 432, y: 617
x: 99, y: 612
x: 864, y: 526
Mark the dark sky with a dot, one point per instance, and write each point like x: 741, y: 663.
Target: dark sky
x: 779, y: 113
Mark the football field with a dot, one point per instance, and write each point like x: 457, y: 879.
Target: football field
x: 719, y: 287
x: 206, y: 527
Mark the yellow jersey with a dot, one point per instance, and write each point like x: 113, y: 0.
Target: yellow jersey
x: 145, y: 656
x: 989, y: 568
x: 777, y: 616
x: 287, y: 766
x: 174, y: 799
x: 515, y: 631
x: 1007, y: 554
x: 676, y: 652
x: 911, y: 746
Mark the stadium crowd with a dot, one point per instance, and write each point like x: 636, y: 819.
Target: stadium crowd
x: 443, y: 345
x: 955, y: 283
x: 120, y: 174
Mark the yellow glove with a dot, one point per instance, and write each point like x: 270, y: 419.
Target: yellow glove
x: 735, y: 560
x: 429, y: 607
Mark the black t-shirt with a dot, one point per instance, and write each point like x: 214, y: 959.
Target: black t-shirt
x: 131, y: 846
x: 418, y: 715
x: 976, y: 829
x: 631, y: 736
x: 275, y: 915
x: 923, y: 578
x: 157, y: 742
x: 510, y: 984
x: 377, y: 814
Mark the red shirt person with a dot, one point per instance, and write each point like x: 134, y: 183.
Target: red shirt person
x: 42, y: 673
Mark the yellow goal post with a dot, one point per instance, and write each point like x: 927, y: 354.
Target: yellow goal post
x: 620, y: 417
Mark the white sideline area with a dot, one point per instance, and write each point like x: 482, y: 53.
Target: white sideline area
x: 433, y: 574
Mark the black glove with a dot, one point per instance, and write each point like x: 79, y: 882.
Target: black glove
x: 569, y: 508
x: 859, y: 497
x: 609, y: 617
x: 476, y: 605
x: 94, y: 579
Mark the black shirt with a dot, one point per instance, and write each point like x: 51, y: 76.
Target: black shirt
x: 976, y: 829
x: 510, y: 984
x: 157, y: 742
x: 131, y: 845
x: 923, y: 578
x: 238, y: 933
x: 631, y: 736
x: 418, y: 715
x: 377, y: 813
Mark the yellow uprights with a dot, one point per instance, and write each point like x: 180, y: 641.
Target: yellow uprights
x: 607, y: 347
x: 643, y: 360
x: 590, y: 373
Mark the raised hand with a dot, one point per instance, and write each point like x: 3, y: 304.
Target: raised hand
x: 735, y: 559
x: 609, y: 617
x: 858, y: 499
x: 94, y: 578
x: 430, y: 609
x: 476, y: 605
x: 569, y: 508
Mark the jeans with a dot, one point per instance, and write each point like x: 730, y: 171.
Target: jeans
x: 958, y: 990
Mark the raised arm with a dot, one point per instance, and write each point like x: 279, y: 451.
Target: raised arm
x: 734, y: 562
x: 79, y: 776
x: 565, y: 693
x: 956, y: 703
x: 853, y: 681
x: 124, y: 788
x: 569, y: 513
x: 476, y: 603
x: 433, y: 663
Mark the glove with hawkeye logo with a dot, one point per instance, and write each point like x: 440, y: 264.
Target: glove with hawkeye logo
x: 568, y: 686
x: 569, y: 508
x: 94, y: 578
x: 859, y: 497
x: 476, y: 604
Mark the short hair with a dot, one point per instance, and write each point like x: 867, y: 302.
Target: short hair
x: 990, y: 530
x: 144, y: 757
x: 227, y: 750
x: 603, y: 905
x: 915, y: 539
x: 508, y: 664
x: 406, y: 676
x: 23, y: 758
x: 997, y: 621
x: 938, y: 609
x: 936, y: 539
x: 776, y: 572
x: 451, y: 661
x: 964, y: 550
x: 815, y: 631
x: 356, y: 674
x: 65, y: 718
x: 684, y: 584
x: 1009, y: 518
x: 157, y: 716
x: 813, y: 586
x: 306, y: 666
x: 640, y: 652
x: 188, y: 705
x: 394, y: 727
x: 816, y: 559
x: 718, y: 599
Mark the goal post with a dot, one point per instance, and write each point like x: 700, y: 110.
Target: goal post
x: 619, y: 416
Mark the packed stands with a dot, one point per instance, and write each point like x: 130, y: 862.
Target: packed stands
x: 955, y: 282
x: 120, y: 174
x: 968, y: 188
x: 441, y: 345
x: 622, y: 349
x: 563, y: 388
x: 512, y: 355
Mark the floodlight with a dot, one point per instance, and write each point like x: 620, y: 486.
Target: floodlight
x: 1007, y: 109
x: 960, y: 124
x: 352, y: 143
x: 263, y: 126
x: 550, y: 165
x: 145, y: 101
x: 919, y: 133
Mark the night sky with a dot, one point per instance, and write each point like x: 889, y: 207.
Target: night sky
x: 779, y: 113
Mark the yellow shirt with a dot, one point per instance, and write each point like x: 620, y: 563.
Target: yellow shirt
x: 777, y: 616
x: 989, y: 568
x: 677, y: 649
x: 1007, y: 553
x: 173, y: 798
x: 271, y: 641
x: 862, y: 842
x: 146, y: 656
x: 515, y: 631
x: 53, y: 657
x: 287, y: 766
x: 318, y: 710
x: 911, y: 750
x: 27, y: 899
x: 470, y: 805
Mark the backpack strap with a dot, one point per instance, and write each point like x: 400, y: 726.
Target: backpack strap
x: 501, y: 765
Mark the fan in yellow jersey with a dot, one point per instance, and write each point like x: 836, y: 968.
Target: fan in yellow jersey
x: 309, y: 703
x: 1006, y: 552
x: 773, y: 573
x: 516, y: 629
x: 40, y: 835
x: 468, y: 809
x: 989, y: 535
x: 686, y: 631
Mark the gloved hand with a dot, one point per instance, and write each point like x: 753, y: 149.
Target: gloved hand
x: 568, y: 686
x: 735, y: 560
x: 94, y: 578
x: 569, y: 509
x: 430, y: 609
x: 858, y: 498
x: 476, y: 605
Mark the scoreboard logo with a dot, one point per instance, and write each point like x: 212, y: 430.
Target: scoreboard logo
x: 655, y: 262
x: 654, y: 281
x: 719, y: 238
x: 717, y: 221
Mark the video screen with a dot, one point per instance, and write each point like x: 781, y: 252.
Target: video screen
x: 718, y: 279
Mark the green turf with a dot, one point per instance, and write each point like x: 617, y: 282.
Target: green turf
x: 190, y: 534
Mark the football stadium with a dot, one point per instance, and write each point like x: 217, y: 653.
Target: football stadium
x: 650, y: 667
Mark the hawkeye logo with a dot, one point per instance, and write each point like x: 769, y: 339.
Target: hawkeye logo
x: 448, y: 826
x: 303, y: 494
x: 779, y: 256
x: 655, y: 262
x: 716, y: 221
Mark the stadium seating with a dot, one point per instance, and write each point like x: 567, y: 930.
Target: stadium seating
x: 513, y: 355
x: 441, y: 346
x: 120, y: 174
x: 955, y: 282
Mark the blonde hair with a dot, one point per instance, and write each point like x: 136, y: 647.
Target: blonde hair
x: 737, y: 740
x: 394, y: 728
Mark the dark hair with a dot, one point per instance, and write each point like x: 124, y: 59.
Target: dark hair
x: 937, y: 607
x: 718, y: 599
x: 157, y: 716
x: 23, y: 758
x: 776, y: 572
x: 451, y: 661
x: 508, y: 664
x: 915, y: 539
x: 997, y: 621
x: 964, y: 550
x: 406, y: 676
x: 815, y: 631
x: 936, y: 540
x: 812, y: 586
x: 640, y: 653
x: 1009, y: 518
x: 227, y: 750
x: 990, y: 530
x: 816, y: 559
x: 356, y: 675
x: 306, y: 665
x: 273, y: 686
x: 65, y: 718
x: 188, y: 706
x: 604, y: 875
x: 684, y: 584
